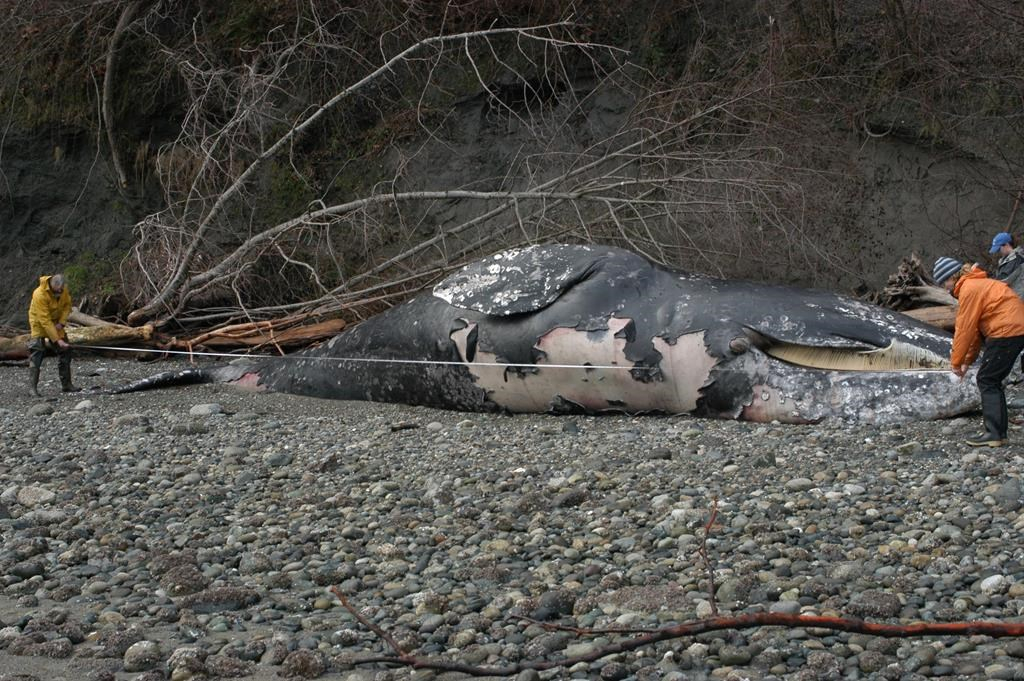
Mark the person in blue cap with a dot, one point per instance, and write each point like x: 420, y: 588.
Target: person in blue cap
x: 1010, y: 269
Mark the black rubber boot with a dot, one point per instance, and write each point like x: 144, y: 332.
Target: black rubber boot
x: 33, y: 381
x: 66, y: 386
x: 987, y: 440
x: 993, y: 411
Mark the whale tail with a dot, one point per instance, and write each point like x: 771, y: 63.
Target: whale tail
x: 165, y: 379
x: 192, y: 376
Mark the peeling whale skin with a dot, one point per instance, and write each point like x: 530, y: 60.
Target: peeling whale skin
x: 513, y: 331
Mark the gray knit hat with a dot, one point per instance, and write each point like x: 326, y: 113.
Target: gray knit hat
x: 944, y: 269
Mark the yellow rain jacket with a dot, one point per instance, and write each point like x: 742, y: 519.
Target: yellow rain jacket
x: 988, y: 309
x: 47, y: 310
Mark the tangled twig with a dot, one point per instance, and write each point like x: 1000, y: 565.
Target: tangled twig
x: 702, y: 551
x: 385, y: 636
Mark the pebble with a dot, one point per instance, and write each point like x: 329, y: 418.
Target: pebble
x: 799, y: 485
x: 141, y: 656
x: 993, y: 584
x: 277, y: 459
x: 131, y: 524
x: 32, y: 496
x: 41, y: 409
x: 210, y: 409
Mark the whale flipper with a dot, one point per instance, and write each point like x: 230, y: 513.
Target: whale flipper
x: 524, y: 280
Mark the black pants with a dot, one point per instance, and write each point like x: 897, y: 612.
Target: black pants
x: 40, y: 347
x: 996, y: 362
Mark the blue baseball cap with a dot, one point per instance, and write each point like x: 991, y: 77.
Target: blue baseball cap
x: 1000, y: 240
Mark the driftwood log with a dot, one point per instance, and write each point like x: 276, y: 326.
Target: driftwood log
x: 910, y: 290
x: 81, y: 319
x: 291, y: 332
x: 111, y: 334
x: 942, y: 316
x: 287, y: 332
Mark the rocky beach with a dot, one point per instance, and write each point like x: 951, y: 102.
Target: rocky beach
x: 195, y: 533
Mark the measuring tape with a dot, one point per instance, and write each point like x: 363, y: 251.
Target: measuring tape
x: 370, y: 360
x: 440, y: 362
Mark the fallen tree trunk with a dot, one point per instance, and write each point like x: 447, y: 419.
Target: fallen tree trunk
x: 82, y: 319
x: 910, y: 287
x: 281, y: 333
x: 942, y: 316
x: 928, y: 293
x: 910, y: 290
x: 111, y: 334
x: 288, y: 332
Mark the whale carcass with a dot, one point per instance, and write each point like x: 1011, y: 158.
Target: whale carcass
x: 591, y: 329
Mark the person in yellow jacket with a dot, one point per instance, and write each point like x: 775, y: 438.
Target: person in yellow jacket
x: 47, y: 315
x: 990, y: 313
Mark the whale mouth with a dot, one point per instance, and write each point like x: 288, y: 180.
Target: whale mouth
x: 896, y: 383
x: 897, y: 356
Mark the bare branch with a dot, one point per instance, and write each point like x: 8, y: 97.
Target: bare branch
x: 172, y: 285
x: 693, y: 628
x: 127, y: 16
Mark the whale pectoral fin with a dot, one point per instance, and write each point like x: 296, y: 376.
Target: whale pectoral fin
x: 520, y: 280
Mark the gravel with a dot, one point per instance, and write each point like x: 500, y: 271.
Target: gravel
x: 196, y: 532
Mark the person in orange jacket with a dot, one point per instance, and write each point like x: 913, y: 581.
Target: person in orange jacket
x: 47, y: 315
x: 992, y: 313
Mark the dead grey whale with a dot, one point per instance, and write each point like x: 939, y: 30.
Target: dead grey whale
x: 592, y: 329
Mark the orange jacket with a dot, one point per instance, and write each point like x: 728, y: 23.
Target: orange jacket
x: 988, y: 309
x: 47, y: 310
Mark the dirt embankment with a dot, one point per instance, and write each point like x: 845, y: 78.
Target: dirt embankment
x: 59, y: 210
